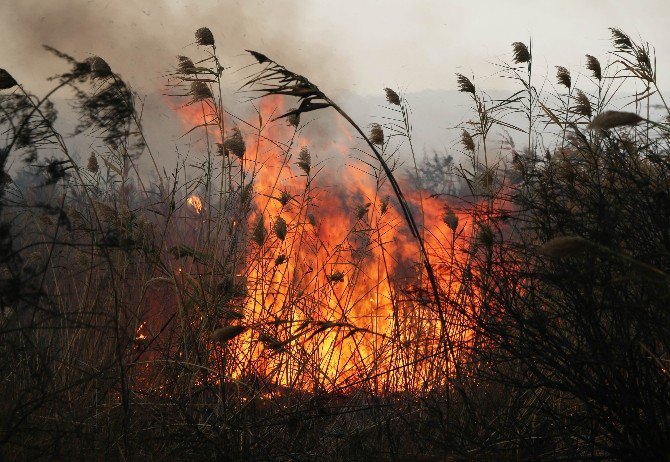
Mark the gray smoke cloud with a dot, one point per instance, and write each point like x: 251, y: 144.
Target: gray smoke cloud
x: 141, y: 39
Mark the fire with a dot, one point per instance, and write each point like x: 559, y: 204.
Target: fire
x: 195, y: 202
x: 141, y: 333
x: 334, y: 291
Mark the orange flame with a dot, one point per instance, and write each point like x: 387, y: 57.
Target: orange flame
x: 195, y: 202
x: 334, y: 297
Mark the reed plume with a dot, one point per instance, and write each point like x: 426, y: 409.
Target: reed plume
x: 392, y: 97
x: 234, y: 143
x: 467, y: 141
x: 305, y: 160
x: 593, y: 65
x: 92, y: 165
x: 185, y: 65
x: 259, y: 233
x: 294, y: 118
x: 451, y: 220
x: 377, y: 134
x: 612, y: 119
x: 521, y: 53
x: 582, y: 104
x: 621, y: 40
x: 464, y: 84
x: 200, y: 91
x: 565, y: 246
x: 280, y: 228
x: 99, y: 67
x: 563, y: 76
x: 204, y: 37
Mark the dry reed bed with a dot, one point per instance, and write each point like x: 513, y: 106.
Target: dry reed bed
x: 217, y: 312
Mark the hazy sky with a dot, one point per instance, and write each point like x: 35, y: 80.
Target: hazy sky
x: 357, y: 45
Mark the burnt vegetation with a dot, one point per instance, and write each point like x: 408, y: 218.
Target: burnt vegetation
x: 202, y: 314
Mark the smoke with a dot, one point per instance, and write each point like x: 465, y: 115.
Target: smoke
x: 141, y: 39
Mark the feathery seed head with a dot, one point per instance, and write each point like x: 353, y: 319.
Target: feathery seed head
x: 305, y: 160
x: 377, y: 134
x: 285, y: 197
x: 645, y: 64
x: 99, y: 67
x: 385, y: 204
x: 234, y: 143
x: 563, y: 76
x: 105, y: 212
x: 226, y: 333
x: 259, y: 233
x: 593, y: 65
x: 464, y: 84
x: 467, y: 141
x: 612, y: 119
x: 521, y: 53
x: 200, y: 91
x: 280, y: 228
x: 485, y: 236
x: 336, y: 276
x: 204, y: 36
x: 185, y: 65
x: 294, y: 118
x: 92, y: 165
x: 361, y: 210
x: 451, y: 220
x: 621, y: 40
x: 392, y: 97
x: 565, y: 246
x: 582, y: 104
x: 260, y: 57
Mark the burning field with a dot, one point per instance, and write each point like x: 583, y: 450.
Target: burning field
x: 302, y: 286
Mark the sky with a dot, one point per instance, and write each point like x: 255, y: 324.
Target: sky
x: 359, y: 46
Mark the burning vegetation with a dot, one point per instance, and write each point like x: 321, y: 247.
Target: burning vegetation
x: 283, y: 299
